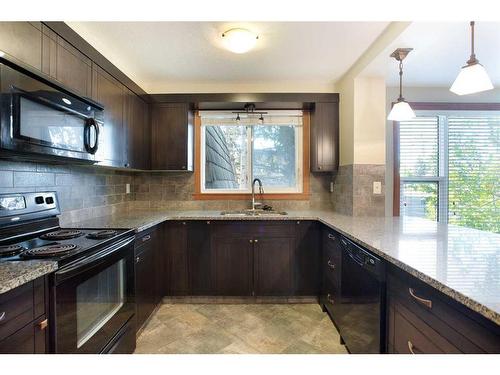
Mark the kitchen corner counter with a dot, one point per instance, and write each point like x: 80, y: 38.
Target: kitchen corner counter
x: 460, y: 262
x: 14, y: 274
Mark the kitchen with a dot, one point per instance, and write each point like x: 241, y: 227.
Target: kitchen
x: 293, y: 194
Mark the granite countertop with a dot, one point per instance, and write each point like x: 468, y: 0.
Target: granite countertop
x: 460, y: 262
x: 14, y: 274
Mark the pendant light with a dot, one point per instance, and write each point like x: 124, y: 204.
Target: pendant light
x: 472, y: 77
x: 401, y: 110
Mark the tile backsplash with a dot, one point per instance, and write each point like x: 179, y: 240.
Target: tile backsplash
x: 83, y: 191
x: 174, y: 190
x: 353, y: 190
x: 89, y: 191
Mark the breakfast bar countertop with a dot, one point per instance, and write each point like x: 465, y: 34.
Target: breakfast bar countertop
x: 462, y: 263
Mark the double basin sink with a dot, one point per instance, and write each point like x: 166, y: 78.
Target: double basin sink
x: 241, y: 213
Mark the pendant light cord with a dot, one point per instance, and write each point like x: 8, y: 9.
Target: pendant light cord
x: 400, y: 81
x: 472, y: 59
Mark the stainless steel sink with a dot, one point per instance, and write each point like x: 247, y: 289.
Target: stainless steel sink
x: 241, y: 213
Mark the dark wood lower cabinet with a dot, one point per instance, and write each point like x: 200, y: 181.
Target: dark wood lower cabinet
x: 422, y: 320
x: 306, y: 262
x: 200, y: 258
x: 24, y: 324
x: 175, y: 243
x: 273, y: 264
x: 233, y: 266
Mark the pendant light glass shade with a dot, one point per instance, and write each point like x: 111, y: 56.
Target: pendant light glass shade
x: 471, y: 79
x: 401, y: 111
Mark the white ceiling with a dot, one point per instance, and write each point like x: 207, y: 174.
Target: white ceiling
x: 189, y: 56
x: 440, y: 50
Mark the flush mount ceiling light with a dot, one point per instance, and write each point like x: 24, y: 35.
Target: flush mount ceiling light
x: 401, y: 110
x: 239, y: 40
x: 472, y: 77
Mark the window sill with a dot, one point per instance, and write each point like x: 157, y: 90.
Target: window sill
x: 245, y: 196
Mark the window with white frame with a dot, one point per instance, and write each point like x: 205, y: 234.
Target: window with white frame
x: 449, y: 167
x: 233, y: 153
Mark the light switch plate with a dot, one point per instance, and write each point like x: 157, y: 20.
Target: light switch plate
x: 127, y: 188
x: 377, y: 187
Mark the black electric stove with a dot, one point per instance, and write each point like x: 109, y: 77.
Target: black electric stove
x: 58, y: 244
x: 94, y: 282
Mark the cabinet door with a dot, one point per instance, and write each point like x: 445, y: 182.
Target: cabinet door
x: 200, y: 258
x: 172, y: 137
x: 110, y: 93
x: 177, y: 259
x: 273, y: 266
x: 306, y: 259
x: 233, y: 266
x: 325, y: 137
x: 65, y: 63
x: 22, y: 40
x: 137, y: 131
x: 145, y: 284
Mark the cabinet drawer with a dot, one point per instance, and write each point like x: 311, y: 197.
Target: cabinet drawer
x: 20, y: 306
x: 464, y: 328
x: 254, y: 229
x: 31, y: 339
x: 143, y: 240
x: 411, y: 335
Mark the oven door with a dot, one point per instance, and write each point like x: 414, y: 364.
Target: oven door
x: 38, y: 117
x: 93, y: 299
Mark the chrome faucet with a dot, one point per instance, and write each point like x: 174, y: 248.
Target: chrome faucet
x: 261, y: 191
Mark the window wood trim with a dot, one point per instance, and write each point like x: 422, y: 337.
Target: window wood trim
x: 305, y: 195
x: 426, y: 106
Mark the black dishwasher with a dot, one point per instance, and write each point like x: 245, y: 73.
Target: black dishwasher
x: 360, y: 313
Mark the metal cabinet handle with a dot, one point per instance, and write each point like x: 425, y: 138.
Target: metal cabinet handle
x: 329, y: 298
x: 2, y: 316
x: 330, y: 264
x: 183, y: 223
x: 43, y: 324
x: 411, y: 347
x: 255, y: 241
x: 426, y: 302
x: 146, y: 238
x: 331, y: 236
x: 251, y: 241
x: 138, y: 259
x: 208, y: 222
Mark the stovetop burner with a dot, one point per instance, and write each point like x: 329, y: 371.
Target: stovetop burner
x: 62, y: 234
x: 102, y: 234
x: 48, y: 251
x: 10, y: 250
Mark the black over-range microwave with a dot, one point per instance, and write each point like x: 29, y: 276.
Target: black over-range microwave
x: 38, y: 116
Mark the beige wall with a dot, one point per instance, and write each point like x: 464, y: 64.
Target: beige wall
x: 369, y: 120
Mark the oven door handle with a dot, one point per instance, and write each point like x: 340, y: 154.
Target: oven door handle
x: 93, y: 258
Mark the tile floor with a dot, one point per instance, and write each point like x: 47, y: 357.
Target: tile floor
x: 239, y: 329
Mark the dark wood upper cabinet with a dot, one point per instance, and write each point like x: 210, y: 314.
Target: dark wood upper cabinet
x: 110, y: 93
x: 137, y: 132
x: 22, y: 40
x: 325, y: 137
x: 65, y: 63
x: 172, y: 137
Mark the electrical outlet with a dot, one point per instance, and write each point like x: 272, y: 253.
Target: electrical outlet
x: 377, y: 187
x: 127, y: 188
x: 331, y: 187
